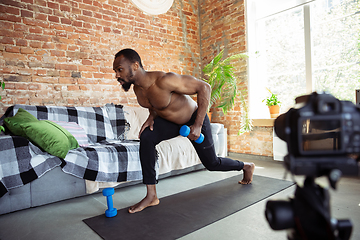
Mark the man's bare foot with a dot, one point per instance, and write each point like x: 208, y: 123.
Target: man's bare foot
x: 146, y: 202
x: 151, y: 199
x: 248, y: 170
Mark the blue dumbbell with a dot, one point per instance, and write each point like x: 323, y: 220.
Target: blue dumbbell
x: 111, y: 211
x: 185, y: 131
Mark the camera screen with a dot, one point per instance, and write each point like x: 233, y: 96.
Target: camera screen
x: 320, y: 135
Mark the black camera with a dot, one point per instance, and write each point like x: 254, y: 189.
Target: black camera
x: 320, y: 135
x: 323, y: 139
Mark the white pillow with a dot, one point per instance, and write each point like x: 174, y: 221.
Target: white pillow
x: 135, y: 116
x: 76, y: 130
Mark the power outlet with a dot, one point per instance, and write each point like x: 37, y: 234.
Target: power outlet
x: 357, y: 92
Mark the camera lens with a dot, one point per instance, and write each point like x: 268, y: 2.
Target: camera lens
x: 280, y: 126
x: 279, y: 214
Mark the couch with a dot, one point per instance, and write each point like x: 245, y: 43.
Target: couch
x: 107, y: 154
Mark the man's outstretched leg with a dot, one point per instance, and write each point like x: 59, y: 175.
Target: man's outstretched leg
x: 207, y: 155
x: 150, y: 199
x: 248, y: 173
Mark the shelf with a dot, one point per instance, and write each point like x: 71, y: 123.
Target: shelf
x: 266, y: 122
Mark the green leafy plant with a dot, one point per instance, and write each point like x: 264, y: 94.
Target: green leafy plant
x: 220, y: 75
x: 2, y: 84
x: 272, y: 100
x: 246, y: 124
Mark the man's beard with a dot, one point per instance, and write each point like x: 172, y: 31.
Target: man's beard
x: 127, y: 86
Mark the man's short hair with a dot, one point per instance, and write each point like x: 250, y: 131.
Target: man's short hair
x: 130, y: 55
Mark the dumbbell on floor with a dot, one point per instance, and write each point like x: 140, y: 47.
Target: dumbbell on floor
x: 111, y: 211
x: 185, y: 131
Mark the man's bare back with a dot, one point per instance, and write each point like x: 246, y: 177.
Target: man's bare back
x: 167, y: 104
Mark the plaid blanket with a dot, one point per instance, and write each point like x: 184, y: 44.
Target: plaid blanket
x: 108, y: 158
x: 22, y: 162
x: 107, y: 161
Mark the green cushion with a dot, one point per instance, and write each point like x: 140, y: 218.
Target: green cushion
x: 13, y: 123
x: 50, y: 136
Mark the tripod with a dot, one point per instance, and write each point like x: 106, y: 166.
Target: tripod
x: 311, y: 207
x: 307, y: 215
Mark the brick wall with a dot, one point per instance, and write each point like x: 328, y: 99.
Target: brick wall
x: 60, y: 52
x: 223, y: 26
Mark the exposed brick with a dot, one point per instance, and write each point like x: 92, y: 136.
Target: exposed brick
x: 45, y: 79
x: 21, y: 86
x: 7, y: 40
x: 10, y: 10
x: 67, y: 80
x: 86, y: 62
x: 38, y: 37
x: 87, y: 81
x: 9, y: 17
x: 41, y: 16
x: 57, y: 53
x: 88, y: 68
x: 13, y: 3
x: 65, y: 21
x: 56, y: 47
x: 65, y: 8
x: 39, y: 3
x: 53, y: 19
x: 77, y: 23
x: 65, y: 67
x: 35, y: 22
x: 13, y: 34
x: 76, y: 74
x: 25, y: 50
x: 16, y: 78
x: 35, y: 44
x: 14, y: 63
x: 25, y: 13
x: 52, y: 73
x: 41, y: 72
x: 14, y: 56
x: 53, y: 5
x: 73, y: 88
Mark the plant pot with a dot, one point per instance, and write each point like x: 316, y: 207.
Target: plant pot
x: 209, y: 115
x: 274, y: 111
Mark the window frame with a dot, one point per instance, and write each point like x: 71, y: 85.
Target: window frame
x: 261, y: 9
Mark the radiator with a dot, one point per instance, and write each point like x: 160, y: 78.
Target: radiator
x: 279, y: 147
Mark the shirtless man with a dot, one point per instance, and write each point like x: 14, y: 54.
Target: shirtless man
x: 166, y: 95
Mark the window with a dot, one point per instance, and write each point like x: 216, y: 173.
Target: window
x: 298, y: 46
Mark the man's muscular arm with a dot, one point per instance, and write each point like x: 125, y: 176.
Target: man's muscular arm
x: 203, y: 98
x: 149, y: 121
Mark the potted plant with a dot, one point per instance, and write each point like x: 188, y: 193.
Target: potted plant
x: 273, y: 103
x: 220, y: 75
